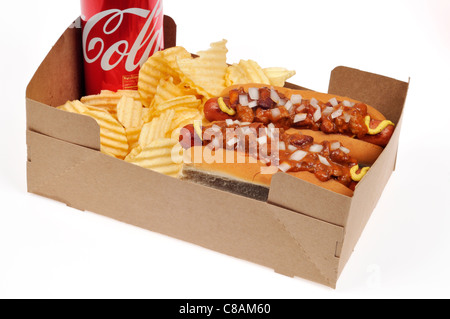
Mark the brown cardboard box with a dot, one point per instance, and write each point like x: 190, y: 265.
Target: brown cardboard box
x: 303, y: 230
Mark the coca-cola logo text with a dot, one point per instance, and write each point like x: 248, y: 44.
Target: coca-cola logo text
x: 94, y: 48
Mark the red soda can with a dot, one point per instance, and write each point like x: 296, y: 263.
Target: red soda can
x: 118, y: 37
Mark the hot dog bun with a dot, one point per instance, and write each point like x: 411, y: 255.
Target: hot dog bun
x: 246, y: 176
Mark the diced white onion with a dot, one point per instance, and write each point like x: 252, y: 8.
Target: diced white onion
x: 282, y: 146
x: 334, y: 102
x: 275, y: 112
x: 237, y: 122
x: 298, y: 155
x: 347, y: 118
x: 254, y: 93
x: 292, y: 148
x: 301, y: 108
x: 324, y: 161
x: 229, y: 122
x: 296, y: 98
x: 282, y: 102
x: 216, y: 128
x: 246, y: 130
x: 253, y: 104
x: 317, y: 115
x: 271, y: 126
x: 337, y: 114
x: 288, y: 105
x: 347, y: 103
x: 327, y: 111
x: 316, y: 148
x: 216, y: 143
x: 232, y: 141
x: 314, y: 103
x: 345, y: 150
x: 284, y: 167
x: 274, y: 96
x: 262, y: 140
x: 334, y: 146
x: 245, y: 123
x: 243, y: 100
x: 300, y: 117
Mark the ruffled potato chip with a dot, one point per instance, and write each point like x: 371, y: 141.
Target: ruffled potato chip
x: 207, y: 72
x: 278, y: 76
x: 129, y: 112
x: 113, y: 139
x: 161, y: 155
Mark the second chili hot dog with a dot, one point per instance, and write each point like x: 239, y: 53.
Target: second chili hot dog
x: 326, y: 163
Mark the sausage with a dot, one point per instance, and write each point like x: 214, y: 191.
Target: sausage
x: 188, y: 137
x: 214, y: 113
x: 380, y: 139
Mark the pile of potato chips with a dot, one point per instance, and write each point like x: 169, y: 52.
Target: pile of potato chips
x: 142, y: 127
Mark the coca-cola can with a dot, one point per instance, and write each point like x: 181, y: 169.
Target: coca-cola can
x: 118, y: 37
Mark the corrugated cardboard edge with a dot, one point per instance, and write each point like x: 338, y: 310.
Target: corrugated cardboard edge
x: 290, y: 243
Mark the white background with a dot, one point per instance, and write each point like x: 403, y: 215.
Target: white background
x: 48, y: 250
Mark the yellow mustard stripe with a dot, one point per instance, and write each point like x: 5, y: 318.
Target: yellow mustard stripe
x: 224, y: 108
x: 358, y: 177
x: 379, y: 128
x: 198, y: 129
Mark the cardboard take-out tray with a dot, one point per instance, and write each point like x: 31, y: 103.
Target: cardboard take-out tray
x: 303, y: 230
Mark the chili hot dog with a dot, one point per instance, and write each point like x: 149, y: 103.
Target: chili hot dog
x: 348, y: 120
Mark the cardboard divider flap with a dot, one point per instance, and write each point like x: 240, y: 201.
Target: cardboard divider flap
x: 298, y: 195
x: 73, y: 128
x: 60, y: 76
